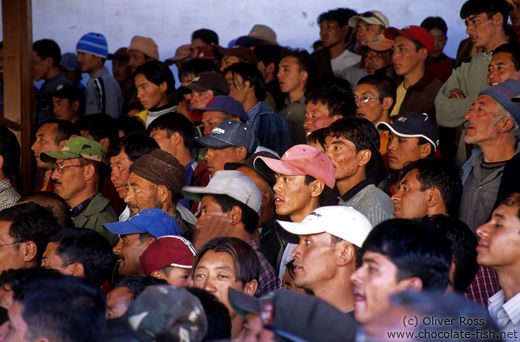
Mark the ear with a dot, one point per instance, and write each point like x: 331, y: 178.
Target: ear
x: 77, y: 269
x: 158, y: 274
x: 346, y: 253
x: 413, y: 283
x: 250, y: 288
x: 241, y: 153
x: 250, y: 87
x: 88, y: 172
x: 505, y: 125
x: 267, y: 199
x: 336, y: 118
x: 163, y: 194
x: 497, y: 19
x: 270, y: 68
x: 28, y: 250
x: 387, y: 103
x: 235, y: 215
x: 176, y: 139
x: 426, y: 149
x: 363, y: 157
x: 163, y: 87
x: 60, y: 144
x: 105, y: 142
x: 75, y: 105
x: 423, y: 54
x: 317, y: 187
x: 149, y: 241
x: 304, y: 75
x: 1, y: 161
x: 434, y: 196
x: 345, y: 30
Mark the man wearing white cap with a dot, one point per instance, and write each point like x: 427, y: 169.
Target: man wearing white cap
x: 328, y: 243
x: 368, y: 26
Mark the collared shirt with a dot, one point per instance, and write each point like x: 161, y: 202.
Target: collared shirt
x: 253, y: 112
x: 294, y: 114
x: 483, y: 286
x: 506, y: 315
x: 8, y: 195
x: 74, y: 212
x: 267, y: 277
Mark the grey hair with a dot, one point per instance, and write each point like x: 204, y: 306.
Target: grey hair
x: 501, y: 113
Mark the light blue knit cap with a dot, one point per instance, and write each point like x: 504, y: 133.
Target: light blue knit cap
x: 503, y: 93
x: 94, y: 43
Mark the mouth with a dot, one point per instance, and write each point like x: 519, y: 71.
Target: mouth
x: 473, y: 38
x: 360, y: 115
x: 481, y: 246
x: 358, y: 297
x: 493, y: 81
x: 278, y: 200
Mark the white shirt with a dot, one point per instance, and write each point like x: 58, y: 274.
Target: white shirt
x: 506, y: 315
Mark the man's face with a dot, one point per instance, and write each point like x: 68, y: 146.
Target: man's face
x: 87, y: 61
x: 216, y: 273
x: 402, y: 150
x: 343, y: 155
x: 52, y: 261
x: 332, y: 34
x: 128, y: 250
x: 409, y: 200
x: 121, y: 71
x: 374, y: 283
x: 290, y: 77
x: 499, y: 243
x: 141, y: 194
x: 292, y: 195
x: 439, y: 39
x: 501, y: 68
x: 480, y: 29
x: 149, y: 94
x: 118, y: 302
x: 196, y: 44
x: 45, y: 142
x: 216, y: 159
x: 365, y: 33
x: 18, y: 327
x: 406, y: 58
x: 316, y: 116
x: 211, y: 119
x: 69, y: 181
x: 41, y: 67
x: 137, y: 59
x: 314, y: 261
x: 163, y: 140
x: 119, y: 172
x: 63, y: 109
x: 481, y: 121
x: 237, y: 87
x: 10, y: 254
x: 199, y: 99
x: 372, y: 110
x: 375, y: 60
x: 212, y: 216
x: 227, y: 61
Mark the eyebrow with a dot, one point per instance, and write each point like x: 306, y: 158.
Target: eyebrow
x: 370, y: 260
x: 500, y: 216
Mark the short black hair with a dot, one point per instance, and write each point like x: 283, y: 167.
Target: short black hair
x: 490, y: 8
x: 174, y: 123
x: 463, y: 244
x: 360, y: 131
x: 195, y: 67
x: 87, y: 247
x: 69, y: 92
x: 247, y: 264
x: 217, y: 315
x: 30, y: 222
x: 384, y: 85
x: 138, y: 283
x: 249, y: 216
x: 129, y: 124
x: 52, y: 202
x: 64, y: 129
x: 339, y: 15
x: 335, y: 101
x: 157, y: 72
x: 416, y: 248
x: 304, y: 61
x: 513, y: 49
x: 443, y: 175
x: 22, y: 275
x: 48, y: 48
x: 10, y: 151
x: 317, y: 137
x: 62, y: 308
x: 431, y: 23
x: 268, y: 53
x: 251, y: 74
x: 136, y: 145
x: 206, y: 35
x: 99, y: 126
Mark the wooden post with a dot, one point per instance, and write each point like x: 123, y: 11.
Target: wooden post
x: 19, y: 103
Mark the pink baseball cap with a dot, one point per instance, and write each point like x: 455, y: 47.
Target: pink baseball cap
x: 300, y: 160
x: 414, y: 33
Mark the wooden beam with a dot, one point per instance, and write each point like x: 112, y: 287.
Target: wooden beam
x: 19, y: 104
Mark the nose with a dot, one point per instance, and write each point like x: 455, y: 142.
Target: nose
x: 482, y: 231
x: 55, y: 174
x: 391, y: 144
x: 307, y: 123
x: 469, y: 115
x: 209, y: 154
x: 355, y: 278
x: 118, y: 247
x: 277, y: 185
x: 129, y: 196
x: 33, y: 146
x: 296, y: 253
x: 208, y: 285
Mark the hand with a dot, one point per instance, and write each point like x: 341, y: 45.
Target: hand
x: 456, y: 94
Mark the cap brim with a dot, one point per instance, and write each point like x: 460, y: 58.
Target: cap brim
x: 124, y: 227
x: 197, y: 87
x: 270, y: 165
x: 299, y: 228
x: 209, y: 142
x: 392, y: 32
x: 243, y: 303
x: 285, y: 235
x: 516, y: 98
x: 50, y: 157
x: 385, y: 126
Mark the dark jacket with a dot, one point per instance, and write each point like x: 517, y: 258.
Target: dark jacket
x: 420, y: 97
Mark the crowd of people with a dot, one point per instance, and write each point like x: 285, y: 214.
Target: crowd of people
x: 367, y: 191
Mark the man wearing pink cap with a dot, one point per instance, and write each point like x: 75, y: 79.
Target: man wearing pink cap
x: 417, y: 91
x: 301, y: 176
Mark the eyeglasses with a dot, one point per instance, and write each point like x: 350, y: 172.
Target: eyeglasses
x: 59, y: 168
x: 10, y: 244
x: 364, y: 99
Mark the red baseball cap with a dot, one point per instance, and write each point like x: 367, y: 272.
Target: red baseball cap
x: 170, y: 250
x: 412, y: 32
x: 300, y: 160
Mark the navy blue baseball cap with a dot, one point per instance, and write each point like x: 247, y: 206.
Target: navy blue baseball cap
x: 414, y: 125
x: 224, y: 103
x: 155, y: 222
x: 229, y: 133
